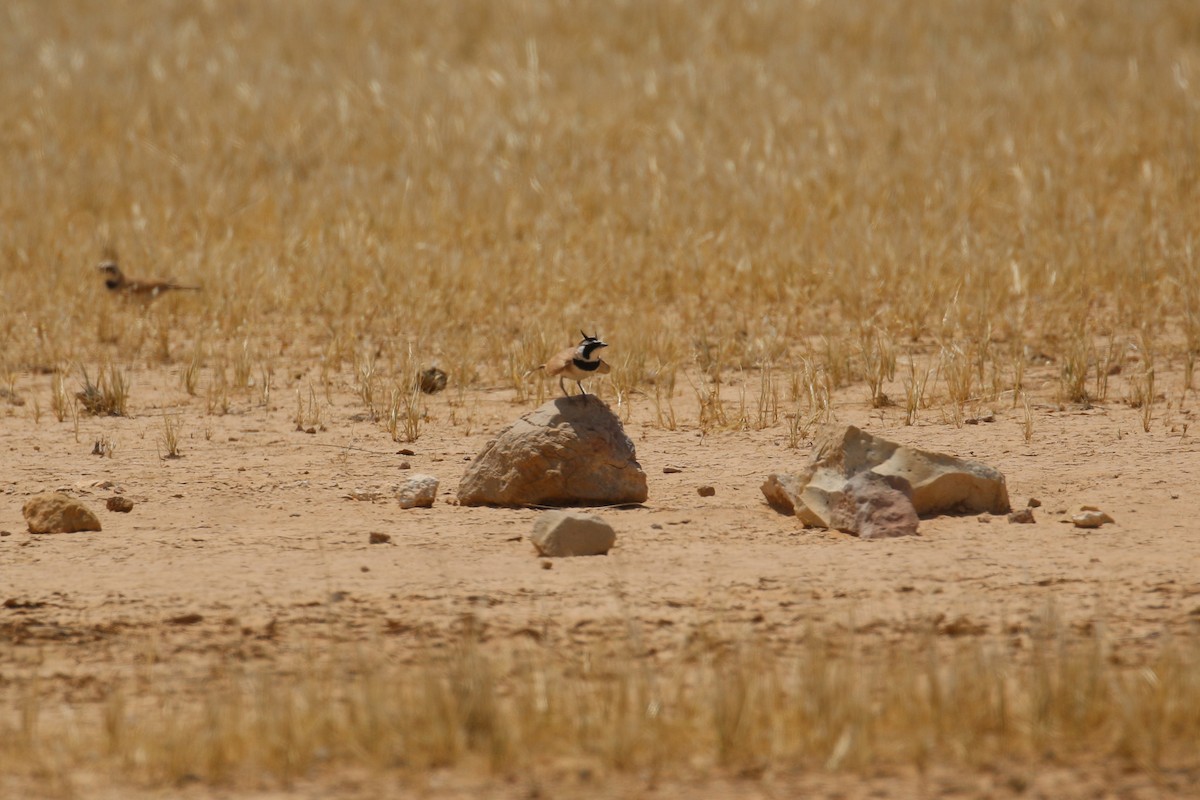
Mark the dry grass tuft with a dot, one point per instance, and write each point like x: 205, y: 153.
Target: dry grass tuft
x: 109, y: 396
x: 170, y: 436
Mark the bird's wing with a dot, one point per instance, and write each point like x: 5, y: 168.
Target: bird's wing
x: 560, y: 361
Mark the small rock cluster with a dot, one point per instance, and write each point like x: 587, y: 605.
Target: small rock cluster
x: 574, y: 451
x: 868, y: 486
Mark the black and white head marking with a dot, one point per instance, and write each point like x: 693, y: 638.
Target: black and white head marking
x: 112, y: 274
x: 588, y: 347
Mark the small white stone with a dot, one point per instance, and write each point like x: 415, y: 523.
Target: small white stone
x: 418, y: 491
x: 1091, y: 519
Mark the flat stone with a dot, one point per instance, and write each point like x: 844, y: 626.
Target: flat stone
x: 1091, y: 519
x: 570, y: 533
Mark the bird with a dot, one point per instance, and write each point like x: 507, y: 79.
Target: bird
x: 145, y: 291
x: 578, y: 362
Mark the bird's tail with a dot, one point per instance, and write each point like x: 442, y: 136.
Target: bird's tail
x: 535, y: 369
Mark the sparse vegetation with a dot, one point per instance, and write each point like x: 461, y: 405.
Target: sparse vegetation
x: 406, y: 411
x: 108, y: 396
x: 900, y: 206
x: 730, y: 704
x: 170, y: 436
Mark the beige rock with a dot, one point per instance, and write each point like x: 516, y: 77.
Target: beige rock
x: 570, y: 451
x: 1091, y: 518
x: 54, y: 512
x: 419, y: 491
x: 569, y: 533
x: 940, y: 483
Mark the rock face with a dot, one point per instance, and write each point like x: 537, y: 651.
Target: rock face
x: 566, y: 533
x: 874, y: 506
x: 940, y: 483
x: 783, y: 489
x: 570, y: 451
x: 55, y: 512
x: 418, y: 491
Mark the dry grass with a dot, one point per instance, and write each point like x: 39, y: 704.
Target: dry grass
x: 729, y: 704
x: 727, y: 183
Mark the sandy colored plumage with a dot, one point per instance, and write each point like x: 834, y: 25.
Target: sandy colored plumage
x: 576, y: 363
x: 136, y: 289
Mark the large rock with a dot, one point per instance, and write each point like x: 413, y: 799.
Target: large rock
x: 55, y: 512
x: 940, y: 483
x: 874, y: 506
x: 570, y: 451
x: 566, y: 533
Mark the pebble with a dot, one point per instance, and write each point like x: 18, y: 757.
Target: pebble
x: 1091, y: 519
x: 122, y: 505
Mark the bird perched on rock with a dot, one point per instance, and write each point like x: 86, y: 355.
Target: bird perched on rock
x: 576, y: 363
x: 145, y: 291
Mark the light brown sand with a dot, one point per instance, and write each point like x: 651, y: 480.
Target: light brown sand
x: 252, y: 530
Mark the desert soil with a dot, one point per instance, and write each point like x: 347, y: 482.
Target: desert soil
x: 249, y: 548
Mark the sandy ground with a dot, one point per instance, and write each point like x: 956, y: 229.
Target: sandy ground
x: 253, y: 532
